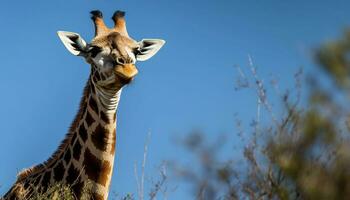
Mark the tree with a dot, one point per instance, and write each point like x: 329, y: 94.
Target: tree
x: 301, y: 154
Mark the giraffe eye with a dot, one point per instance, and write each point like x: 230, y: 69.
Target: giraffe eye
x: 121, y: 60
x: 95, y: 50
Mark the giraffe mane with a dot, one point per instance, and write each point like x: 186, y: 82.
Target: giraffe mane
x: 40, y: 167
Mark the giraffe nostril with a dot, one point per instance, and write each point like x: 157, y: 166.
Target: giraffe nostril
x: 121, y: 60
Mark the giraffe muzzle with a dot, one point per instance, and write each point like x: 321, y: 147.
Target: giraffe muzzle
x: 127, y: 71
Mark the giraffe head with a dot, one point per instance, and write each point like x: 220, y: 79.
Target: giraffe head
x: 111, y: 53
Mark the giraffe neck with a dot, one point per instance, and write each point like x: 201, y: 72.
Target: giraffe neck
x: 96, y: 157
x: 86, y: 155
x: 108, y: 100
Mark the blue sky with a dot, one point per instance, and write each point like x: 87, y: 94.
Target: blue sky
x: 188, y: 85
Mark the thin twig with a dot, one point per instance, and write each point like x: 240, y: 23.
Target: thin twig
x: 141, y: 183
x: 137, y: 180
x: 261, y: 91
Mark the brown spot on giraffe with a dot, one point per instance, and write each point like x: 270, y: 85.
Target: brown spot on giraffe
x: 100, y: 137
x: 93, y: 104
x: 67, y: 156
x: 45, y: 182
x: 83, y: 133
x: 104, y: 117
x: 95, y: 166
x: 59, y: 172
x: 77, y: 150
x: 88, y: 118
x: 73, y: 174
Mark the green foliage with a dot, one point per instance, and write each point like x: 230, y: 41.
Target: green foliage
x: 315, y: 154
x: 334, y: 59
x: 57, y: 191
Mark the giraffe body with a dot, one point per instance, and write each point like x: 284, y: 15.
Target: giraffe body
x: 86, y: 155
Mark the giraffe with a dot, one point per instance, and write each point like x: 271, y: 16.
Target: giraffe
x: 87, y: 152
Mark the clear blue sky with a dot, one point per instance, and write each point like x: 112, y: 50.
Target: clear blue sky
x: 188, y: 85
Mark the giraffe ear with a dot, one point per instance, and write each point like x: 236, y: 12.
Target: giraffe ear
x: 148, y: 48
x: 73, y: 42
